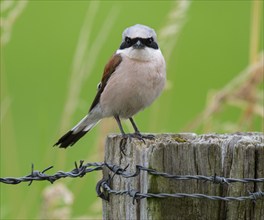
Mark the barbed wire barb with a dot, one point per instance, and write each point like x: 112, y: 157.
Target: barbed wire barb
x: 103, y: 187
x: 136, y: 195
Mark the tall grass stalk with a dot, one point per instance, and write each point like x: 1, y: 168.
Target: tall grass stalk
x: 10, y: 12
x: 86, y: 54
x: 241, y: 92
x: 251, y: 86
x: 79, y: 62
x: 233, y: 94
x: 168, y: 36
x: 85, y: 58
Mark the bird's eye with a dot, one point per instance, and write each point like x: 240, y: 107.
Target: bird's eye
x: 128, y: 40
x: 150, y: 40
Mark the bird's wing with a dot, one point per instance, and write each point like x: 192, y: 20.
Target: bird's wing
x: 110, y: 68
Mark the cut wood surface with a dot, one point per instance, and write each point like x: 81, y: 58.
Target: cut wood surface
x: 238, y: 155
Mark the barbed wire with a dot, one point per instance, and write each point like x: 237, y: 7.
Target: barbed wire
x: 136, y: 195
x: 36, y: 175
x: 104, y: 184
x: 215, y: 179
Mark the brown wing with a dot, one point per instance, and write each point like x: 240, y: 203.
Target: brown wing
x: 108, y: 70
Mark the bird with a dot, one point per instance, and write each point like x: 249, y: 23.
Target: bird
x: 132, y: 79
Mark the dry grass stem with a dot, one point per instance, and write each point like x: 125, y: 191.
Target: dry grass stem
x: 57, y: 202
x: 237, y: 93
x: 10, y: 11
x: 77, y: 74
x: 256, y: 76
x: 85, y: 58
x: 243, y: 91
x: 175, y: 21
x: 167, y: 37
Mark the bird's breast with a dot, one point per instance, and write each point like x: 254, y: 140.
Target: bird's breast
x: 132, y: 87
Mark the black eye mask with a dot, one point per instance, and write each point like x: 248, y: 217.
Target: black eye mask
x: 148, y: 42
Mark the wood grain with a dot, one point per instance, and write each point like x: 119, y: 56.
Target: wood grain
x: 239, y: 155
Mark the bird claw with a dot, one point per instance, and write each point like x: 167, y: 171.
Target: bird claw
x: 136, y: 135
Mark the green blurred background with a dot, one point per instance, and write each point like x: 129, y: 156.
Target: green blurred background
x: 52, y: 57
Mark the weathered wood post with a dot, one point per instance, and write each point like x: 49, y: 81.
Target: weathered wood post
x: 239, y: 155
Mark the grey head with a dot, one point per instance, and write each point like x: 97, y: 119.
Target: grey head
x: 138, y: 37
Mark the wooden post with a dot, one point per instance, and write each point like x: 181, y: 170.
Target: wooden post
x: 239, y: 155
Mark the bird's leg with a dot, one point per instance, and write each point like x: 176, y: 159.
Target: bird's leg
x: 124, y: 135
x: 134, y: 126
x: 120, y: 125
x: 137, y: 133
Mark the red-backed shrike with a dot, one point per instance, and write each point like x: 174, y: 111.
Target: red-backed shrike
x: 132, y: 79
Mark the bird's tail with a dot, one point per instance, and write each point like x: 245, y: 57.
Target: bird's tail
x: 72, y: 136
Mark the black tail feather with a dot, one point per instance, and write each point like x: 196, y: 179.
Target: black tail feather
x: 69, y: 139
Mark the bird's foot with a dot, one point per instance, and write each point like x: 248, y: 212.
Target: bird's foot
x: 136, y: 135
x: 141, y: 137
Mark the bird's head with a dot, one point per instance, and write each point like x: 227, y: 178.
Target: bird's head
x: 138, y: 42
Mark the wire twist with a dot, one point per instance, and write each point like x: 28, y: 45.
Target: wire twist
x: 103, y: 187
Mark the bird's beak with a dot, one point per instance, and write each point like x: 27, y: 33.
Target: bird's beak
x: 138, y: 45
